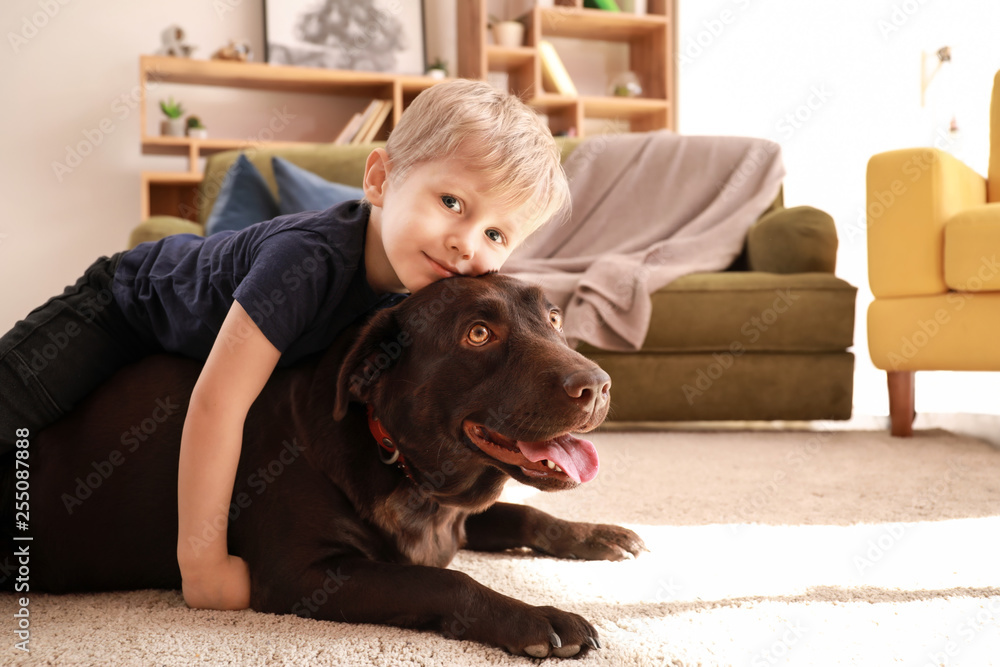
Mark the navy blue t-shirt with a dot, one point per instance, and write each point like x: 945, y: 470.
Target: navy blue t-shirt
x: 300, y: 277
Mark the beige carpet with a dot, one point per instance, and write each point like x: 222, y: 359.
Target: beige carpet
x: 767, y: 548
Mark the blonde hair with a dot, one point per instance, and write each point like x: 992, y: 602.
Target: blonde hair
x: 499, y: 135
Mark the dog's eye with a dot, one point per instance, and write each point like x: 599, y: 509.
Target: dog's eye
x: 479, y: 334
x: 555, y: 317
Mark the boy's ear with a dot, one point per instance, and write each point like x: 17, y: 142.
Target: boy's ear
x: 367, y: 362
x: 376, y: 176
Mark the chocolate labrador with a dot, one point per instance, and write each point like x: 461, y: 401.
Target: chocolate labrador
x: 363, y: 471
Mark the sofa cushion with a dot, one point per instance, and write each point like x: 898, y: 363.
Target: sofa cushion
x: 751, y: 311
x: 301, y: 190
x: 243, y: 200
x: 801, y: 239
x: 339, y: 164
x: 649, y: 386
x: 971, y: 241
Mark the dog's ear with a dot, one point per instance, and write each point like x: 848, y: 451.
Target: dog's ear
x: 375, y: 351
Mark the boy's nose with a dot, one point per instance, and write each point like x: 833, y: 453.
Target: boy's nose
x: 463, y: 246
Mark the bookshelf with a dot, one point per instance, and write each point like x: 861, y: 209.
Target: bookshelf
x: 165, y: 193
x: 650, y: 38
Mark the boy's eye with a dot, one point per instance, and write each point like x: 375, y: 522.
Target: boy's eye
x: 452, y: 203
x: 494, y: 235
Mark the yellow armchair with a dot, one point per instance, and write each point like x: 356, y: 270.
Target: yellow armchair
x: 933, y: 266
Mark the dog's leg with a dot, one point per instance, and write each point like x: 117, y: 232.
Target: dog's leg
x: 358, y: 590
x: 508, y: 526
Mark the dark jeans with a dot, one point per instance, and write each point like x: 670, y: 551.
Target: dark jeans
x: 62, y: 351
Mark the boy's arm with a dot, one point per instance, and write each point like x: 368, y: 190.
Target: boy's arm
x: 238, y: 366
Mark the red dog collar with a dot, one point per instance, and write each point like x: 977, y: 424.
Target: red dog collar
x: 387, y: 444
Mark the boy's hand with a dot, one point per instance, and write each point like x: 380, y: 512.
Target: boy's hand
x: 220, y: 585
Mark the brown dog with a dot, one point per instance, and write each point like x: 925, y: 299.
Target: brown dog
x: 462, y: 385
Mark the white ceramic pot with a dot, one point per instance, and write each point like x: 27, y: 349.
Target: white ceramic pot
x: 172, y: 127
x: 508, y: 33
x: 197, y: 132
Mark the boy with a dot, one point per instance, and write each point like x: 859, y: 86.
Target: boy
x: 467, y: 174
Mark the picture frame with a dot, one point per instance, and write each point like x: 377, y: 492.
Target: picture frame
x: 366, y: 35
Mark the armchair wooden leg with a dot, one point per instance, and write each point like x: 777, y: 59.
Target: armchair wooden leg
x: 901, y: 393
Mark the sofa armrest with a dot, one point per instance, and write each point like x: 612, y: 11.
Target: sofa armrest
x: 158, y: 226
x: 801, y: 239
x: 912, y: 193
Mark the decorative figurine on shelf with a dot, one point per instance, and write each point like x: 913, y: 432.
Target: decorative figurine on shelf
x: 625, y: 84
x: 438, y: 69
x: 173, y: 126
x: 172, y: 39
x: 195, y: 130
x: 235, y: 51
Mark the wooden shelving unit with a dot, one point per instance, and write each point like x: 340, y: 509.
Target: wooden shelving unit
x: 650, y: 39
x: 167, y: 193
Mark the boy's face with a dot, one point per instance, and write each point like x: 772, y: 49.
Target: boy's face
x: 438, y: 221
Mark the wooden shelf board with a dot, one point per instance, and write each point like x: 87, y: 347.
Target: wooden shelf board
x: 182, y: 145
x: 550, y: 102
x: 502, y: 59
x: 622, y: 107
x: 262, y: 76
x: 597, y: 24
x: 172, y: 177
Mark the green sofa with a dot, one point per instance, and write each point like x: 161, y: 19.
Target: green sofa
x: 767, y: 339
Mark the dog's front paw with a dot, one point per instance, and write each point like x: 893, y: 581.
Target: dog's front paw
x: 544, y: 632
x: 589, y: 541
x: 608, y: 542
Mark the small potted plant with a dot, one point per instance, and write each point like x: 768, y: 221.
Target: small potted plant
x: 507, y: 33
x: 195, y: 129
x: 173, y: 126
x: 438, y: 69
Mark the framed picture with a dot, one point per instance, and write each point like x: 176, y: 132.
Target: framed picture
x: 369, y: 35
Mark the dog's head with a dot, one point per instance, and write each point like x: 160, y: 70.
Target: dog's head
x: 470, y: 374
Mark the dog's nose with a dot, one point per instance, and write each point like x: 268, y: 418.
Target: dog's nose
x: 588, y: 388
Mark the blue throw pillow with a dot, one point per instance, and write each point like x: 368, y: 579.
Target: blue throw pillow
x: 243, y: 199
x: 301, y: 190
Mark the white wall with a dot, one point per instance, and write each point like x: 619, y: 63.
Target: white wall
x: 746, y: 65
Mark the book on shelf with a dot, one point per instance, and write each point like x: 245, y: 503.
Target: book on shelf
x: 554, y: 74
x: 350, y: 129
x: 606, y: 5
x: 357, y: 123
x: 368, y: 132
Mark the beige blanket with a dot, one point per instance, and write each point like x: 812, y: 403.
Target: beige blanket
x: 648, y: 208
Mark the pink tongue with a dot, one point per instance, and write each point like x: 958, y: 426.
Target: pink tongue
x: 577, y: 457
